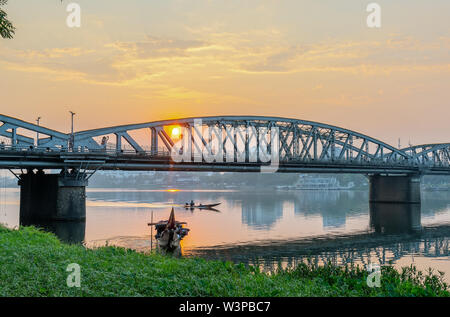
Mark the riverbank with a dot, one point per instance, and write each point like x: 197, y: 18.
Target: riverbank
x: 34, y: 263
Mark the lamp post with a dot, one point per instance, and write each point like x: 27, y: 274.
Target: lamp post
x: 71, y: 141
x: 37, y: 133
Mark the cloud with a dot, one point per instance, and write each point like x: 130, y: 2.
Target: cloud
x: 217, y: 55
x: 54, y: 53
x: 394, y: 54
x: 156, y: 47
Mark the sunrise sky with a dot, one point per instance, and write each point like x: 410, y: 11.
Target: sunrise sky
x: 137, y: 61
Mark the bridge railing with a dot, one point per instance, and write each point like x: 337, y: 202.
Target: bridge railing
x: 165, y: 154
x: 8, y: 148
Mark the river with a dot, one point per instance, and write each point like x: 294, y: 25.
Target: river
x: 266, y: 228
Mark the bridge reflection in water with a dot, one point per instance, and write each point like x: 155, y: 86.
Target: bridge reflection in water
x: 395, y: 232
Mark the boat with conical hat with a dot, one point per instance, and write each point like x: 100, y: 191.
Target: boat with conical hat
x: 169, y: 233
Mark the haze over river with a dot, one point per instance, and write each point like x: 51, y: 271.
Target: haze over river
x: 266, y: 228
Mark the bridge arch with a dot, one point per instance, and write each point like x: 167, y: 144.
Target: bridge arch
x: 298, y: 140
x: 436, y: 155
x: 22, y: 134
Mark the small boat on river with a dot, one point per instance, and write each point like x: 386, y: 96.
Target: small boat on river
x: 169, y: 233
x: 201, y: 206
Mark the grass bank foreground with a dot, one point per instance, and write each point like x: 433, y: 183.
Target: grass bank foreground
x: 34, y: 263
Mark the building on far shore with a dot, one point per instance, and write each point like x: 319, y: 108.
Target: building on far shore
x: 313, y: 182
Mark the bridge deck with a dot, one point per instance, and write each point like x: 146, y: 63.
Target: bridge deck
x: 41, y: 159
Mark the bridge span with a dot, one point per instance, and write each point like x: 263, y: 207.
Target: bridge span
x: 220, y: 143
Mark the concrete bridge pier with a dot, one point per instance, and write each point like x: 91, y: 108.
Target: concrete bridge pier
x: 394, y: 189
x: 52, y: 197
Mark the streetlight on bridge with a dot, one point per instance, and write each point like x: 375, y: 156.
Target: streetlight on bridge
x: 37, y: 133
x: 71, y: 140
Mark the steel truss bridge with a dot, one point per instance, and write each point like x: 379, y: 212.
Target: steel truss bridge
x: 223, y: 143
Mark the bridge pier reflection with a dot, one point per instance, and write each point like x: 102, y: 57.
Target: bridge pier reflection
x: 394, y: 203
x: 392, y: 218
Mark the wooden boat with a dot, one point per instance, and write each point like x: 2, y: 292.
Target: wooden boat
x: 201, y: 206
x: 169, y: 233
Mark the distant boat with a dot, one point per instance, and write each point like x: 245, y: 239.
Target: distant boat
x: 201, y: 206
x: 169, y: 234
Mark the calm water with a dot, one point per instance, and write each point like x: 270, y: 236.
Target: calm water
x: 267, y: 228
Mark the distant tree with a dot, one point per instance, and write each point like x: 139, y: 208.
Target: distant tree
x: 7, y: 30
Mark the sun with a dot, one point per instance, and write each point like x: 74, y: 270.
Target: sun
x: 176, y: 132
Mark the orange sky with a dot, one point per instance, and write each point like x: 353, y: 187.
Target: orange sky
x: 314, y: 60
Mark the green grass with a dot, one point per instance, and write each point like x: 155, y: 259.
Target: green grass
x: 33, y: 263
